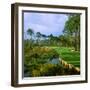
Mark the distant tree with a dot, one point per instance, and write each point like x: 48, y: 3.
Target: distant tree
x: 38, y: 35
x: 44, y: 40
x: 63, y: 40
x: 44, y: 36
x: 30, y: 32
x: 50, y: 37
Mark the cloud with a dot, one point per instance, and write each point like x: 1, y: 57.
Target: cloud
x: 45, y: 23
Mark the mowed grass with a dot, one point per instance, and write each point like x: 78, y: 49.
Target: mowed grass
x: 72, y: 57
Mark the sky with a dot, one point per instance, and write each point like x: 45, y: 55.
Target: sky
x: 45, y: 23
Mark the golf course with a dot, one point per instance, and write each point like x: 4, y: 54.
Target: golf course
x: 51, y: 49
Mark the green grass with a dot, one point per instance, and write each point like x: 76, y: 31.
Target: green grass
x: 36, y: 61
x: 72, y: 57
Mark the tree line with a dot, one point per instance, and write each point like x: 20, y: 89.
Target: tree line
x: 69, y: 38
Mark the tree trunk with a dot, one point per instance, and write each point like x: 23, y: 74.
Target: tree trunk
x: 76, y: 43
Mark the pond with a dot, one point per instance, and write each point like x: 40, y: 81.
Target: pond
x: 55, y: 61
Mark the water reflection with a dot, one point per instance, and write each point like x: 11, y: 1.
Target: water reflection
x: 55, y: 61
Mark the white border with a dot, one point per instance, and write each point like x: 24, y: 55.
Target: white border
x: 54, y: 78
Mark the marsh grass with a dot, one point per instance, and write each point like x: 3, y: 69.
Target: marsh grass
x: 36, y: 61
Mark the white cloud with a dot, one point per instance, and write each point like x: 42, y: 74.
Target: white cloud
x: 45, y: 23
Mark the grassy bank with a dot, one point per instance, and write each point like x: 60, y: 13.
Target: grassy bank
x: 67, y: 54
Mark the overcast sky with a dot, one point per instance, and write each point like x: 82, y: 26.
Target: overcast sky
x: 45, y: 23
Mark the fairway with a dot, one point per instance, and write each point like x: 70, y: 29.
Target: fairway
x: 71, y: 57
